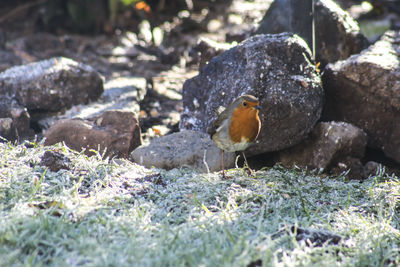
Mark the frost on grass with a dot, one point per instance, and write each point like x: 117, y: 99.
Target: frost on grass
x: 113, y: 212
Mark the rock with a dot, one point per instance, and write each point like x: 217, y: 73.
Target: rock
x: 364, y: 90
x: 314, y: 237
x: 186, y: 148
x: 328, y: 144
x: 317, y: 238
x: 288, y: 16
x: 371, y: 168
x: 352, y: 166
x: 355, y: 169
x: 55, y: 161
x: 122, y: 93
x: 125, y: 93
x: 209, y: 49
x: 8, y: 131
x: 337, y: 34
x: 9, y: 108
x: 116, y: 131
x: 51, y: 85
x: 274, y: 68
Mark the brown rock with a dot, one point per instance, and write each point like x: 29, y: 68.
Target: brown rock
x: 274, y: 68
x: 117, y: 132
x: 328, y: 144
x: 364, y: 90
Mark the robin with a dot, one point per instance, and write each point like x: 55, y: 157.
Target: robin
x: 237, y: 126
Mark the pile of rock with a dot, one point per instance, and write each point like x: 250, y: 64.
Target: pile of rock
x: 32, y: 94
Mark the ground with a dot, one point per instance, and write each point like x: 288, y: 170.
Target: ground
x: 96, y: 211
x: 101, y: 212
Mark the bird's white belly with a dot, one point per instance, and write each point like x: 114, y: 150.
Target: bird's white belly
x: 230, y: 146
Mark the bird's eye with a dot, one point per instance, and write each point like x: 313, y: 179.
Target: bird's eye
x: 244, y: 104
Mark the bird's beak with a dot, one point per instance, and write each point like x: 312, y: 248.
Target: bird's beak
x: 258, y: 107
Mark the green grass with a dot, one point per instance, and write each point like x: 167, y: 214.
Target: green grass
x: 105, y: 212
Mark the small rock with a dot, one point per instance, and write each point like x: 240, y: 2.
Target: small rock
x: 328, y: 144
x: 122, y: 93
x: 155, y: 178
x: 256, y: 263
x: 51, y: 85
x: 123, y: 89
x: 209, y: 49
x: 186, y: 148
x: 116, y: 131
x: 9, y: 108
x: 352, y: 166
x: 317, y: 238
x: 337, y: 33
x: 364, y: 91
x: 55, y: 161
x: 370, y: 168
x: 8, y: 131
x: 274, y: 69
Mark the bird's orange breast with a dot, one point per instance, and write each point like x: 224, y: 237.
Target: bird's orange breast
x: 245, y: 124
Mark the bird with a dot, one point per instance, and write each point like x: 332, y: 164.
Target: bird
x: 237, y: 127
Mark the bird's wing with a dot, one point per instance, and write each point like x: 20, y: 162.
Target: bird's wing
x: 218, y: 122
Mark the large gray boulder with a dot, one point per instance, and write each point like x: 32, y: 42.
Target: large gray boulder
x: 274, y: 68
x: 364, y: 90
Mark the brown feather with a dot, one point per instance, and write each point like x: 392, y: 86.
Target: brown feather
x: 229, y: 110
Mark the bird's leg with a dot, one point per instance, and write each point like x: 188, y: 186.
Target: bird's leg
x: 250, y: 171
x: 222, y: 164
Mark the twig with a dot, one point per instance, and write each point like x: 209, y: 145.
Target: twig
x: 205, y: 161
